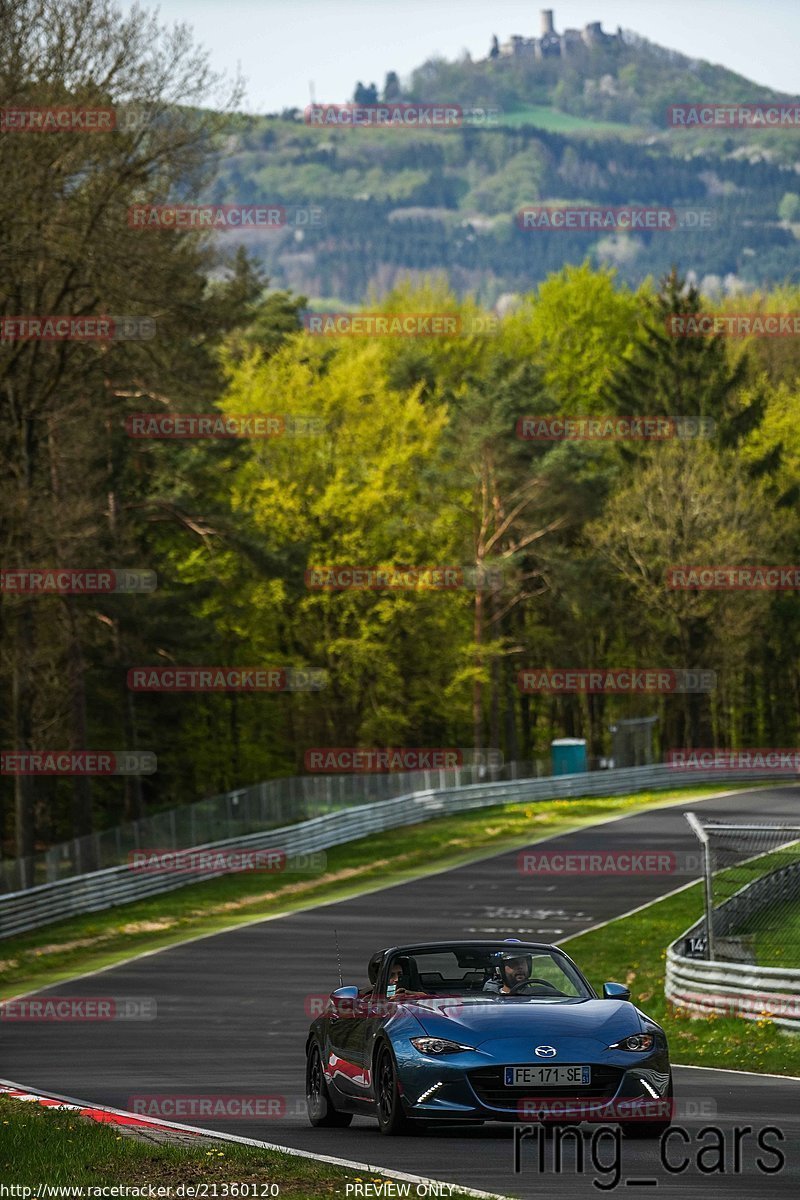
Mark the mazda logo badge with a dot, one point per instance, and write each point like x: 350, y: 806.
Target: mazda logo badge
x: 545, y: 1051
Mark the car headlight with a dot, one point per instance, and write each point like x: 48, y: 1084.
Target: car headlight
x: 637, y: 1041
x: 432, y: 1045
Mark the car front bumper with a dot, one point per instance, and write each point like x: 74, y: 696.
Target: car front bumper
x: 468, y: 1087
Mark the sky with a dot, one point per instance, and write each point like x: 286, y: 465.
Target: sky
x: 283, y: 48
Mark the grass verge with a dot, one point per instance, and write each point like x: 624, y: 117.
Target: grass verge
x: 556, y: 121
x: 86, y: 943
x: 776, y: 935
x: 632, y: 950
x: 44, y: 1146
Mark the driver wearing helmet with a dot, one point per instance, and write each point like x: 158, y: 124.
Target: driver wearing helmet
x: 511, y: 975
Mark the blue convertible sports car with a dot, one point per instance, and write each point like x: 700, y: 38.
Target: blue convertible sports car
x: 485, y: 1031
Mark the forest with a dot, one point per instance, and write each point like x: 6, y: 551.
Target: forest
x: 384, y: 453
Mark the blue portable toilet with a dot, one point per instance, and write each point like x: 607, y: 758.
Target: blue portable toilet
x: 569, y: 755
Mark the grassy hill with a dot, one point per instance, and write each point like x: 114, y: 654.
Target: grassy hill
x: 624, y: 79
x: 591, y: 130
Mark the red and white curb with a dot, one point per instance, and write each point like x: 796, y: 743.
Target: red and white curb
x: 118, y: 1116
x: 107, y: 1116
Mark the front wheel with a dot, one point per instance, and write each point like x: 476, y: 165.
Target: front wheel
x: 321, y: 1112
x: 391, y: 1118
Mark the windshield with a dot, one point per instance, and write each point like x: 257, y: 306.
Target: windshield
x: 485, y: 971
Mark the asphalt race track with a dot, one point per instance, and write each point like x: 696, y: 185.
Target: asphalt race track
x: 232, y: 1021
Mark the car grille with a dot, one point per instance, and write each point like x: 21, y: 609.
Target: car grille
x: 489, y: 1087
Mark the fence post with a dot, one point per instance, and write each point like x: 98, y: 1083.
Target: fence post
x: 701, y: 834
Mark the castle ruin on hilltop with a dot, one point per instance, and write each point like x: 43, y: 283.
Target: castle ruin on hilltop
x: 556, y: 45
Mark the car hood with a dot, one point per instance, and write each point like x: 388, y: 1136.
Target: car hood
x: 477, y: 1022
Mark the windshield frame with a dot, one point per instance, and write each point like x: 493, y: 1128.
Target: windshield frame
x: 490, y: 946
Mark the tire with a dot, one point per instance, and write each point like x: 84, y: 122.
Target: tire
x: 392, y: 1121
x: 649, y: 1130
x: 321, y: 1113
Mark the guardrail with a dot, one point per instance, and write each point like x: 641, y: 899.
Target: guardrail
x: 737, y: 988
x: 45, y: 903
x: 246, y: 810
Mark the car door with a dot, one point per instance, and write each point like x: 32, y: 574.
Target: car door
x: 376, y: 1012
x: 345, y: 1039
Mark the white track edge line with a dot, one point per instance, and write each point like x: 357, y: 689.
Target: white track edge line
x: 735, y: 1071
x: 243, y: 1141
x: 631, y: 912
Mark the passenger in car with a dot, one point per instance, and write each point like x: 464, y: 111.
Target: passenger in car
x: 400, y: 980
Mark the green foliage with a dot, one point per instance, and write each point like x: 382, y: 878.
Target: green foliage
x: 789, y: 207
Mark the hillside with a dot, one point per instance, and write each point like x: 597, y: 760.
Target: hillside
x: 618, y: 77
x: 588, y: 128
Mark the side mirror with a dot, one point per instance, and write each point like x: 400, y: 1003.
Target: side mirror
x: 616, y: 991
x: 343, y: 1003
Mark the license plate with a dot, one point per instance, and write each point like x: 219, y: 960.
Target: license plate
x: 547, y: 1076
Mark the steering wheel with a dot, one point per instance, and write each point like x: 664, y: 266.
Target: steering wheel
x: 519, y: 987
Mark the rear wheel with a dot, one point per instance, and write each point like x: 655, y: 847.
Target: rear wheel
x: 389, y: 1107
x: 321, y: 1112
